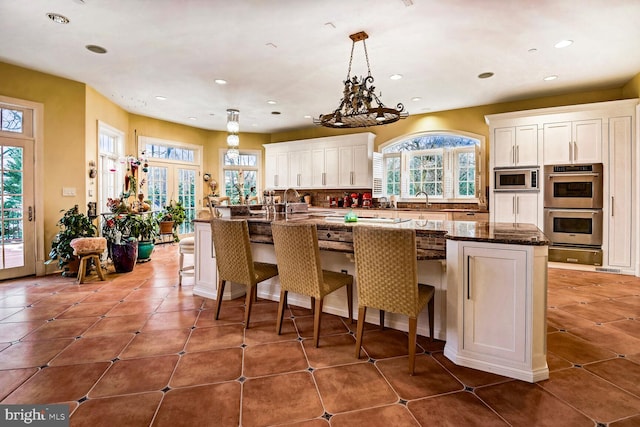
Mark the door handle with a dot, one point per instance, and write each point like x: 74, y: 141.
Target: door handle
x: 468, y: 278
x: 612, y: 205
x: 517, y: 154
x: 30, y: 213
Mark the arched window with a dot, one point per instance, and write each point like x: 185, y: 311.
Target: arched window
x: 443, y: 164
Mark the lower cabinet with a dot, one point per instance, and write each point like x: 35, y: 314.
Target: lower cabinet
x: 515, y: 207
x: 496, y: 308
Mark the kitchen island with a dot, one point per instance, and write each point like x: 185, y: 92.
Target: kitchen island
x: 514, y: 287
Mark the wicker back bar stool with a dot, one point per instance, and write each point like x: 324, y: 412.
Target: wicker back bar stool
x: 387, y: 277
x: 300, y: 271
x: 235, y: 261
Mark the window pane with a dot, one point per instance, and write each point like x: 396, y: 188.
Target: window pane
x: 11, y: 120
x: 168, y: 152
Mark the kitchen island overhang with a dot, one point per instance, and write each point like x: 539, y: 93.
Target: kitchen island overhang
x: 433, y: 239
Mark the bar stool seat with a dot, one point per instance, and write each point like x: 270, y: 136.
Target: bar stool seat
x: 186, y: 246
x: 89, y: 249
x: 387, y: 276
x: 235, y: 261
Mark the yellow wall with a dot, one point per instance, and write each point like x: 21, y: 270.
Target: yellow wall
x: 64, y: 137
x: 632, y: 89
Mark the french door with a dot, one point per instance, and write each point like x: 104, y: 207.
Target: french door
x: 17, y: 236
x: 169, y: 182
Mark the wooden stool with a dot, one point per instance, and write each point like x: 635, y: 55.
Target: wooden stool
x: 186, y: 246
x: 87, y: 249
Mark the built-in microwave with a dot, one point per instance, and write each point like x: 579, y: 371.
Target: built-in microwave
x: 517, y: 179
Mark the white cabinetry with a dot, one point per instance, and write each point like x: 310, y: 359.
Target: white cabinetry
x: 573, y: 142
x: 299, y: 169
x: 620, y: 209
x: 276, y: 168
x: 339, y: 162
x: 496, y: 302
x: 516, y: 207
x: 355, y: 166
x: 324, y: 167
x: 515, y: 146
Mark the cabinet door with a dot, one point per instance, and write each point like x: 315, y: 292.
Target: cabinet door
x: 331, y: 167
x: 526, y: 145
x: 345, y: 170
x: 318, y: 176
x: 495, y: 292
x: 361, y: 166
x: 527, y: 208
x: 620, y: 192
x: 504, y: 142
x: 587, y: 141
x: 299, y: 169
x: 504, y: 207
x: 270, y: 169
x: 324, y: 166
x: 557, y: 143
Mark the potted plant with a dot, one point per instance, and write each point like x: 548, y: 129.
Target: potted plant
x: 73, y: 224
x: 170, y: 218
x: 146, y: 228
x: 122, y: 240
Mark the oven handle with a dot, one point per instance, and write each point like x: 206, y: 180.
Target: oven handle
x: 585, y: 210
x: 551, y: 175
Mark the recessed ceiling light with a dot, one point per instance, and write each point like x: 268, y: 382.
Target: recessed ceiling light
x: 549, y: 78
x: 192, y: 118
x: 275, y: 113
x: 57, y: 18
x: 220, y: 81
x: 416, y: 99
x: 161, y: 98
x: 307, y: 116
x: 485, y: 75
x: 395, y: 76
x: 563, y: 43
x: 532, y: 50
x: 96, y: 49
x: 271, y: 102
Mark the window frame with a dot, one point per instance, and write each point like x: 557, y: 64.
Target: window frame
x: 103, y: 156
x: 224, y: 168
x: 450, y: 166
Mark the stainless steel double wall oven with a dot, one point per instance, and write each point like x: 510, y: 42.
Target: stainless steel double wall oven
x: 573, y: 212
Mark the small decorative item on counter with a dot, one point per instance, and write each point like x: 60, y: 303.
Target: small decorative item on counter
x: 351, y: 217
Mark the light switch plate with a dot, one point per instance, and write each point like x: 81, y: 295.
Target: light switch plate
x: 68, y: 191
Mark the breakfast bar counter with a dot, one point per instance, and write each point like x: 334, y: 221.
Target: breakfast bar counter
x: 490, y: 280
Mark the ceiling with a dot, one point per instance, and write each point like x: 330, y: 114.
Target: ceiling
x: 296, y: 52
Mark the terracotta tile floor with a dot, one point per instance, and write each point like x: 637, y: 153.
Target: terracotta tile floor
x: 137, y: 350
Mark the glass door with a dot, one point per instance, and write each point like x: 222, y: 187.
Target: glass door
x: 17, y: 238
x: 172, y: 182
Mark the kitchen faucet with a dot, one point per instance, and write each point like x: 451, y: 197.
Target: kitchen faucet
x: 286, y: 202
x: 426, y: 197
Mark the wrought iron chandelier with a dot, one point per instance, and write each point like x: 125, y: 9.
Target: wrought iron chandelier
x: 355, y: 109
x: 233, y: 139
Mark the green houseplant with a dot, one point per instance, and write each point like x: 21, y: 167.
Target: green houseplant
x: 146, y: 228
x: 173, y: 212
x: 122, y: 240
x: 72, y: 224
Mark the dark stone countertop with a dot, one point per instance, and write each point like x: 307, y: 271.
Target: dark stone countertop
x: 335, y: 234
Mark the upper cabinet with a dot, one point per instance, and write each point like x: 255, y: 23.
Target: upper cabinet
x: 276, y: 168
x: 573, y: 142
x: 515, y: 146
x: 300, y: 168
x: 332, y: 162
